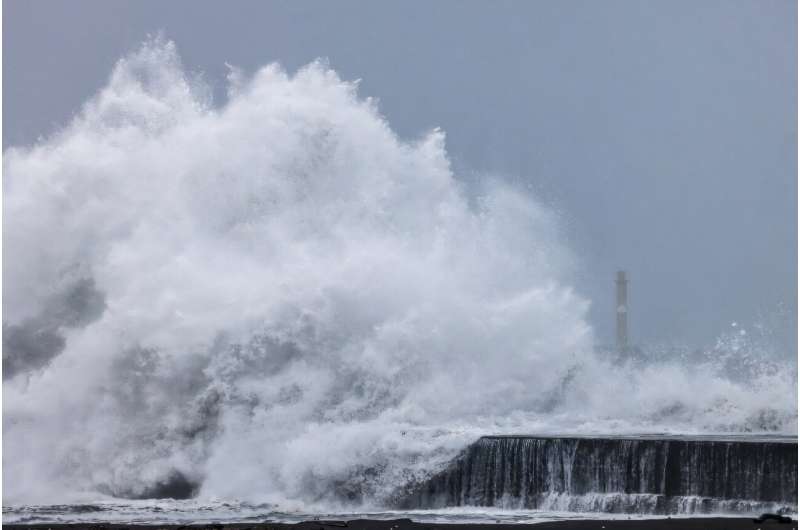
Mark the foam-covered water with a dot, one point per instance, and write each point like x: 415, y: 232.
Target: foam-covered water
x: 154, y: 512
x: 277, y: 300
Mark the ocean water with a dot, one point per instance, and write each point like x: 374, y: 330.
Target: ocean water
x: 280, y: 301
x: 193, y: 512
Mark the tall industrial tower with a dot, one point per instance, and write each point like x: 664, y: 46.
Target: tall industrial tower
x: 622, y: 311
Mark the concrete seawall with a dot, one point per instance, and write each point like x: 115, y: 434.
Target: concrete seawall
x: 619, y: 474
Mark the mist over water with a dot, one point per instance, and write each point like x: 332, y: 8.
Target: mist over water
x: 281, y: 301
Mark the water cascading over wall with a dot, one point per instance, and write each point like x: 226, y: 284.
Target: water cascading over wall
x: 619, y: 475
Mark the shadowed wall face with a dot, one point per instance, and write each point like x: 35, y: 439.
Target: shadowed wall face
x: 664, y: 132
x: 660, y: 476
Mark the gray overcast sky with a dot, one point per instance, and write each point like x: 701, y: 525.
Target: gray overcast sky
x: 664, y: 131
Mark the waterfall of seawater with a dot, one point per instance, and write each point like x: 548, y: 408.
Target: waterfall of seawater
x: 662, y: 475
x: 278, y: 300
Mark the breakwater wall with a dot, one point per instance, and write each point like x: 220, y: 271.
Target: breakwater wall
x: 642, y: 474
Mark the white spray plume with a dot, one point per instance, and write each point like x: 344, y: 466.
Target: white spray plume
x: 281, y: 300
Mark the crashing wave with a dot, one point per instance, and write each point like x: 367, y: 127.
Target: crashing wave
x: 276, y: 297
